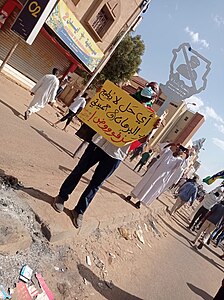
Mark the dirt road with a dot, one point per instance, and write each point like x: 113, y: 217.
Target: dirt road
x: 164, y: 268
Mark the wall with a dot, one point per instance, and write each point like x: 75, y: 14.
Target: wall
x: 190, y: 129
x: 178, y: 127
x: 85, y: 9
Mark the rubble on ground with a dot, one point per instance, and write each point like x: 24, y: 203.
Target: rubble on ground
x: 66, y: 268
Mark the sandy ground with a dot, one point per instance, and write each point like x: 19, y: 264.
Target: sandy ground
x: 165, y: 267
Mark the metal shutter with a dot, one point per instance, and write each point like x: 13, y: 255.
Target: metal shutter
x: 33, y: 61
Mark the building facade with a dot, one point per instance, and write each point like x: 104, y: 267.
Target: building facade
x: 90, y: 27
x: 184, y: 128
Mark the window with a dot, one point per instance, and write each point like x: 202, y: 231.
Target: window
x: 160, y: 102
x: 102, y: 21
x: 186, y: 118
x: 173, y: 104
x: 176, y: 131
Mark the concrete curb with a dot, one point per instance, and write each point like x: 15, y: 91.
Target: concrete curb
x: 92, y: 225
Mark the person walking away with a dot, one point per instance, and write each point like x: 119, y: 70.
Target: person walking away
x: 136, y: 152
x: 218, y: 234
x: 75, y: 108
x: 63, y: 85
x: 186, y: 193
x: 214, y: 216
x: 157, y: 178
x: 143, y: 160
x: 151, y: 163
x: 107, y: 156
x: 44, y: 92
x: 209, y: 200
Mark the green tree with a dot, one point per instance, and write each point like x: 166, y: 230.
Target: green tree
x: 124, y: 62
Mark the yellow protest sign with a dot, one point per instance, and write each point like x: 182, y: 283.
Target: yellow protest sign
x: 117, y: 116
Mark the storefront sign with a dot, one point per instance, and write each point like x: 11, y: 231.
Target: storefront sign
x: 63, y: 22
x: 117, y: 116
x: 31, y: 19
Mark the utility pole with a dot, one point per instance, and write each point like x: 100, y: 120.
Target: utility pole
x: 143, y: 7
x: 10, y: 53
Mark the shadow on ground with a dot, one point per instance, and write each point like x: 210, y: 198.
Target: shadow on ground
x: 181, y: 237
x: 55, y: 144
x: 204, y: 295
x: 110, y: 293
x: 16, y: 113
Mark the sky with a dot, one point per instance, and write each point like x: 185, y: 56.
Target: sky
x: 165, y: 26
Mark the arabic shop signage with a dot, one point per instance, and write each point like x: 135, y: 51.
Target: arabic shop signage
x: 31, y: 19
x: 117, y: 116
x: 63, y: 22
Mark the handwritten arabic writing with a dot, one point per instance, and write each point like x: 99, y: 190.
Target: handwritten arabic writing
x: 117, y: 116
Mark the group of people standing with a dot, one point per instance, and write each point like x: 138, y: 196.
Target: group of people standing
x: 208, y: 220
x: 99, y: 150
x: 160, y: 175
x: 163, y: 170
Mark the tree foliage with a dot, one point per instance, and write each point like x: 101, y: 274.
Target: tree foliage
x: 124, y: 62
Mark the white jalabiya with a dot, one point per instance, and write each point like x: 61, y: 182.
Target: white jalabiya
x: 158, y: 178
x: 179, y: 172
x: 45, y: 91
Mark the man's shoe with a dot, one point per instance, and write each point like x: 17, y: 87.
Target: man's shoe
x: 138, y: 205
x: 200, y: 246
x: 77, y: 219
x: 128, y: 199
x: 58, y: 204
x: 192, y: 243
x: 26, y: 115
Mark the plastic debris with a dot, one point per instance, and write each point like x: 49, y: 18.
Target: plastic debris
x: 29, y: 287
x: 88, y: 261
x: 3, y: 293
x: 153, y: 225
x: 21, y: 292
x: 44, y: 287
x: 33, y: 291
x: 125, y: 233
x: 99, y: 263
x: 112, y: 255
x: 146, y: 227
x: 26, y: 273
x: 139, y: 234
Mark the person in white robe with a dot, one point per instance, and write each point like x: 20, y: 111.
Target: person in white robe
x: 159, y: 177
x: 44, y: 92
x: 175, y: 180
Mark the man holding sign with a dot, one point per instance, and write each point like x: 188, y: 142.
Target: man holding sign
x: 118, y: 120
